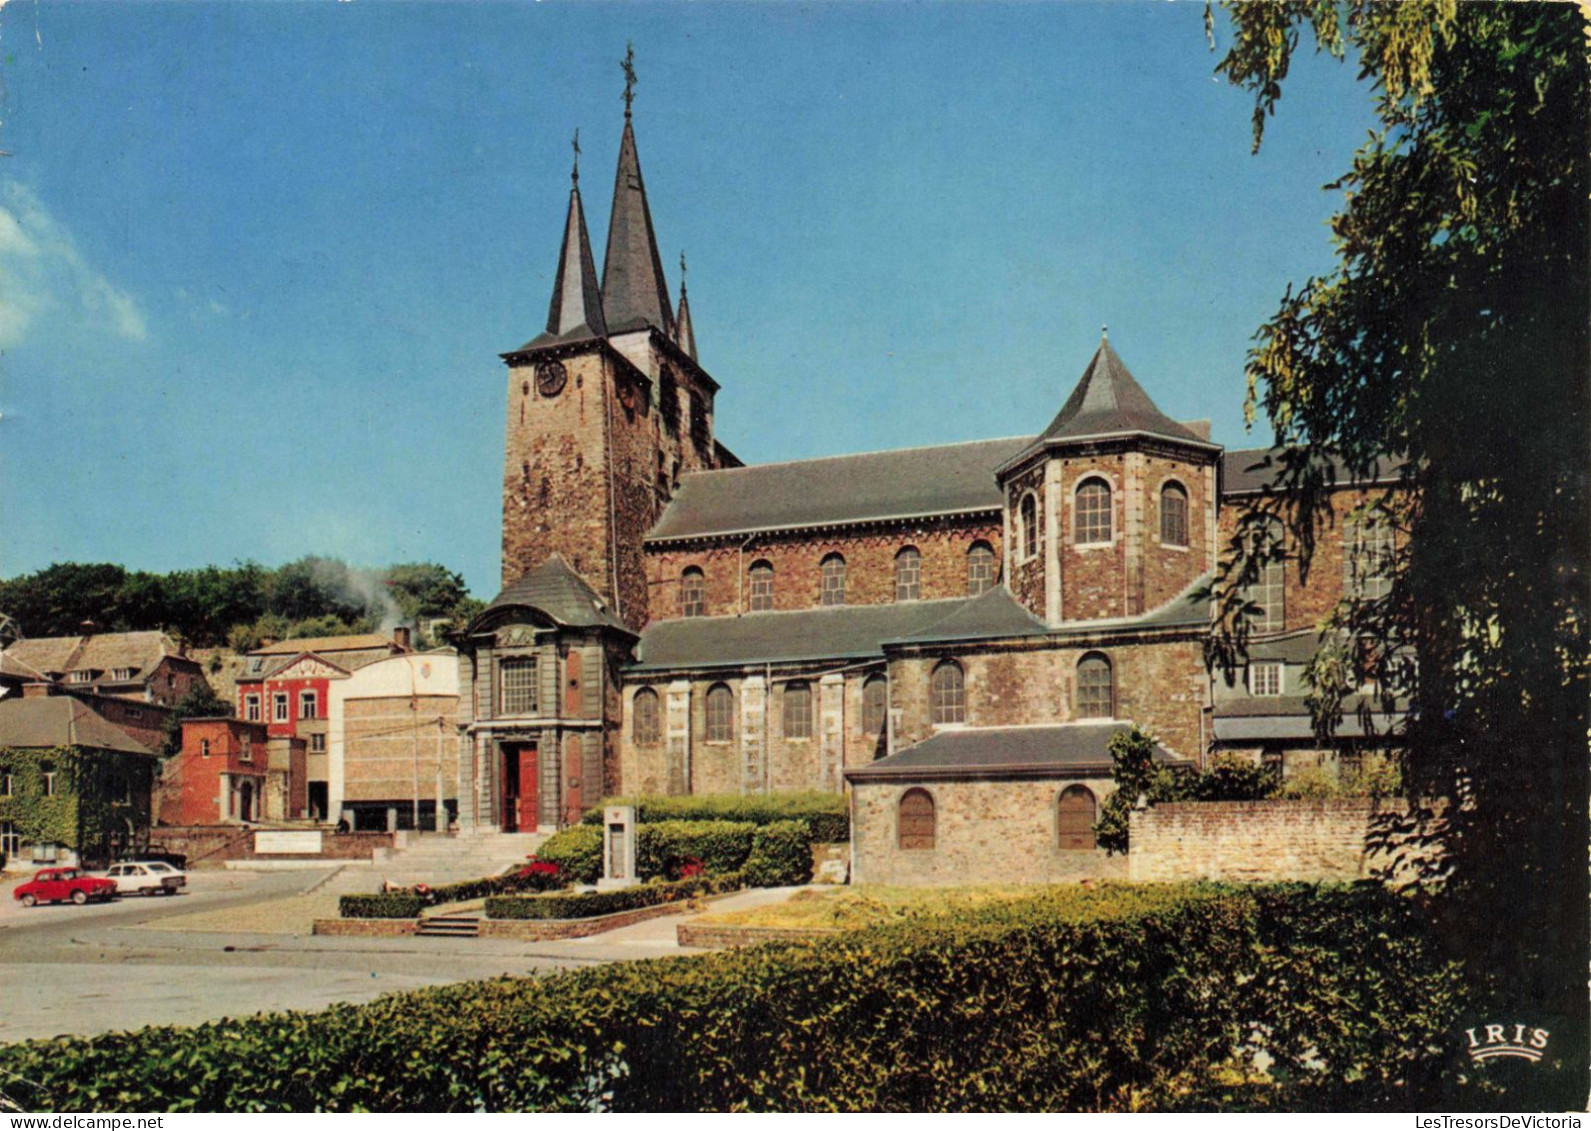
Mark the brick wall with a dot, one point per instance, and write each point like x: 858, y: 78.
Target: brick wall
x: 384, y: 740
x: 1159, y: 685
x: 986, y: 832
x: 1253, y: 841
x: 1307, y: 601
x: 1028, y: 573
x: 869, y: 566
x: 213, y: 845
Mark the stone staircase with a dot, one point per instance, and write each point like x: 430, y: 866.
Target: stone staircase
x: 449, y: 927
x: 434, y: 858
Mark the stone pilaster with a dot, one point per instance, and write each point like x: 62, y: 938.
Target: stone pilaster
x: 677, y: 735
x: 753, y: 734
x: 831, y: 724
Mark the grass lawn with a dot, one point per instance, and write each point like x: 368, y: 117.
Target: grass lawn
x: 850, y: 908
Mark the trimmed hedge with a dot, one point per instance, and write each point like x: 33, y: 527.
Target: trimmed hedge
x: 1111, y: 998
x: 409, y: 904
x: 386, y: 905
x: 827, y: 814
x: 578, y: 850
x: 663, y: 849
x: 781, y: 854
x: 585, y: 905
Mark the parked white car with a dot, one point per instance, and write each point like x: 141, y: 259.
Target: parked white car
x: 146, y: 877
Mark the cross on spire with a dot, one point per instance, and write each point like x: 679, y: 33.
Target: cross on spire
x: 574, y: 176
x: 629, y: 76
x: 682, y: 272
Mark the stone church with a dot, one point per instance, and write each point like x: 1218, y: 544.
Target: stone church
x: 952, y: 633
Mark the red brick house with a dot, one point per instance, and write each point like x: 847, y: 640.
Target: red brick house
x: 232, y: 771
x: 286, y: 687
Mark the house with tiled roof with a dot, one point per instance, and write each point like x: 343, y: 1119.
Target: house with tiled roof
x: 953, y: 633
x: 146, y: 666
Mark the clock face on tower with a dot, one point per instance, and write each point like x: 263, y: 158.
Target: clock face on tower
x: 550, y: 378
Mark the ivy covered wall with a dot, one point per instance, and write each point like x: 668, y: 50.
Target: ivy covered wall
x: 98, y: 806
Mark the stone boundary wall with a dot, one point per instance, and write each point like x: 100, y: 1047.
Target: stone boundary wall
x: 367, y: 928
x: 714, y: 935
x: 1255, y: 841
x: 211, y: 846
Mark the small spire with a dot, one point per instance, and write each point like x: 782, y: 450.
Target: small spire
x: 684, y: 334
x: 576, y: 309
x: 574, y: 176
x: 629, y: 77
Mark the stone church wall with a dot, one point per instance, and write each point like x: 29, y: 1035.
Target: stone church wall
x: 985, y: 832
x: 796, y: 560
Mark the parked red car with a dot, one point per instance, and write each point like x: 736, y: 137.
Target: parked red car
x: 53, y: 885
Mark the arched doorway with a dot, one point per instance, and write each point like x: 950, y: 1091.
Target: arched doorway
x: 1075, y: 815
x: 246, y: 801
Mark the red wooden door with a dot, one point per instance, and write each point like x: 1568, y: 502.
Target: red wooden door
x: 519, y: 787
x: 528, y: 818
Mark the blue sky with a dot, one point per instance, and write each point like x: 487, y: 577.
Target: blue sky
x: 257, y: 260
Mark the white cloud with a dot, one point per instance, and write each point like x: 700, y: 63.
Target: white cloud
x: 42, y: 271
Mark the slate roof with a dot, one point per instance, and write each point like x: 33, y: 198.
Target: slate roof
x: 843, y: 632
x: 1108, y: 401
x: 576, y: 309
x: 1287, y: 717
x: 61, y: 720
x: 1058, y: 750
x: 105, y: 652
x: 994, y: 614
x: 555, y: 589
x: 634, y: 293
x: 1247, y: 471
x: 908, y: 483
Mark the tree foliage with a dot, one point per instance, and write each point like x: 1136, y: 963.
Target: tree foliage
x: 239, y: 604
x: 1451, y: 339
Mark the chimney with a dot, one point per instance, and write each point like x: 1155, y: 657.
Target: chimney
x: 87, y: 628
x: 400, y: 637
x: 38, y: 690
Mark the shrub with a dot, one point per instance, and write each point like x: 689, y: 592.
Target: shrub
x: 662, y: 849
x: 585, y: 905
x: 828, y: 814
x: 386, y: 905
x: 1147, y: 997
x: 578, y: 850
x: 781, y: 854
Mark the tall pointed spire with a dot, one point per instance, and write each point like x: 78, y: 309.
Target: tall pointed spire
x: 683, y: 332
x: 576, y: 309
x: 634, y: 293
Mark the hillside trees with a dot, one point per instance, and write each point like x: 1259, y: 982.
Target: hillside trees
x: 240, y: 604
x: 1452, y: 336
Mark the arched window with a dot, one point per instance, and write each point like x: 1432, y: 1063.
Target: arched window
x: 980, y: 568
x: 1173, y: 515
x: 833, y: 573
x: 1267, y: 595
x: 947, y: 693
x: 720, y: 713
x: 915, y: 827
x: 1075, y: 815
x: 1091, y: 512
x: 692, y: 593
x: 1028, y: 519
x: 798, y: 709
x: 908, y: 574
x: 761, y: 586
x: 1096, y: 692
x: 644, y: 718
x: 875, y: 704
